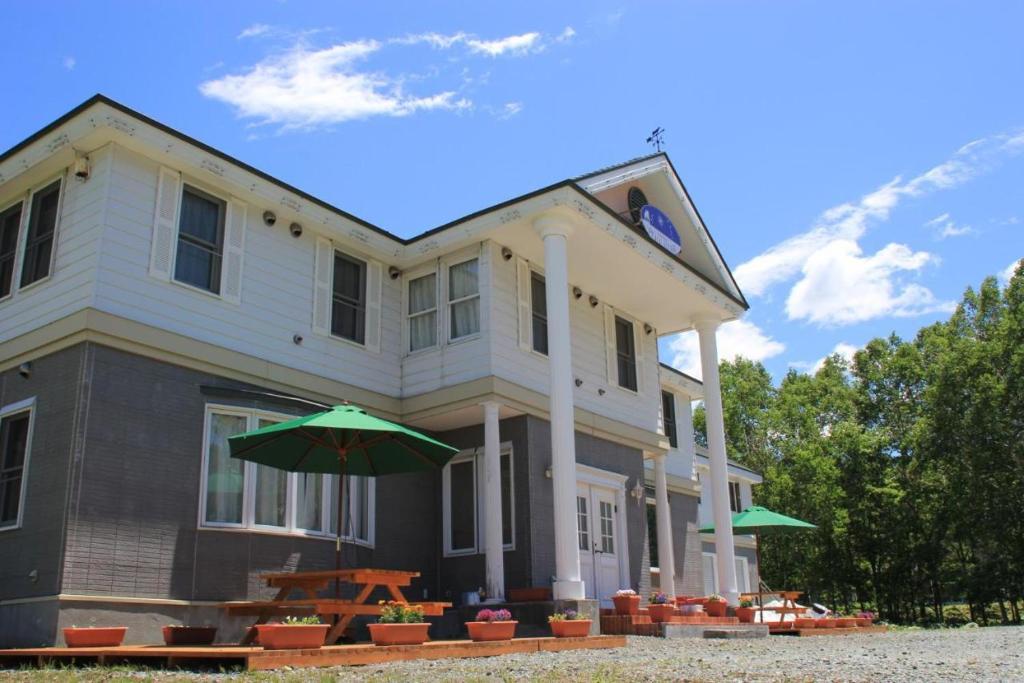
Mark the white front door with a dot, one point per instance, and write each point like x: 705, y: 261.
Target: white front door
x: 599, y: 542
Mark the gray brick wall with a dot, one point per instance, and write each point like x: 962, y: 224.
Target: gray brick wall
x: 686, y: 545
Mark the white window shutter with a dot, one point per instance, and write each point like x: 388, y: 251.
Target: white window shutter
x: 525, y: 304
x: 374, y: 287
x: 638, y: 336
x: 609, y: 345
x: 234, y: 251
x: 165, y: 224
x: 323, y: 276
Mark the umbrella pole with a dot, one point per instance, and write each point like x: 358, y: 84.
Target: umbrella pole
x: 337, y: 542
x: 760, y: 597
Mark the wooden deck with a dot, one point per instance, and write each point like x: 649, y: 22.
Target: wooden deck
x: 256, y: 658
x: 804, y: 632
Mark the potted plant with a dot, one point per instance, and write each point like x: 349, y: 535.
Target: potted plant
x: 865, y: 617
x: 626, y: 601
x: 745, y: 612
x: 94, y: 636
x: 189, y: 635
x: 492, y: 625
x: 715, y: 605
x: 399, y: 624
x: 294, y: 633
x: 660, y: 608
x: 569, y: 624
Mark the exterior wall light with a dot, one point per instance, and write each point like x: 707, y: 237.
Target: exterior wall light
x: 295, y: 229
x: 506, y: 253
x: 296, y: 339
x: 269, y: 218
x: 393, y: 272
x: 579, y: 382
x: 25, y: 369
x: 593, y: 301
x: 577, y: 292
x: 648, y: 329
x: 638, y: 492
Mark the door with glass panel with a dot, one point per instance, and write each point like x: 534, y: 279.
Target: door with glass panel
x: 597, y: 534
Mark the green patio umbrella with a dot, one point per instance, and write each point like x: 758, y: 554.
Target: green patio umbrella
x: 751, y: 521
x: 343, y: 441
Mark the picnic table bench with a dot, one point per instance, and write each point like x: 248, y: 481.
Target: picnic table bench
x: 789, y: 605
x: 343, y: 609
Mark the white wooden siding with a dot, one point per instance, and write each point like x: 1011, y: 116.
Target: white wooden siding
x: 276, y: 293
x: 70, y: 286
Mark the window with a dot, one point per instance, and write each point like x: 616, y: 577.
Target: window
x: 348, y: 308
x: 735, y: 502
x: 539, y: 308
x: 42, y: 224
x: 15, y: 433
x: 462, y: 482
x: 710, y: 567
x: 423, y: 312
x: 582, y: 518
x: 463, y: 299
x: 239, y: 494
x: 668, y: 417
x: 200, y: 240
x: 10, y: 222
x: 625, y: 351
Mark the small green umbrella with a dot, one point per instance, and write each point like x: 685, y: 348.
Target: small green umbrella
x: 752, y: 521
x: 343, y: 441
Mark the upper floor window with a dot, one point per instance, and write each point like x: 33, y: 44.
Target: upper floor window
x: 42, y: 226
x: 348, y: 310
x: 539, y: 310
x: 10, y: 222
x: 423, y: 312
x: 668, y: 416
x: 735, y: 502
x: 625, y: 352
x: 200, y: 240
x: 239, y: 494
x: 464, y: 299
x: 15, y: 431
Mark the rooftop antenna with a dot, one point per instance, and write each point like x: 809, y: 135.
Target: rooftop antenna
x: 657, y: 138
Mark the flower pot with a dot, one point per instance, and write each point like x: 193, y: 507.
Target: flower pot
x: 745, y: 615
x: 189, y: 635
x: 576, y: 628
x: 804, y: 622
x: 661, y: 613
x: 491, y: 630
x: 864, y: 621
x: 846, y: 622
x: 626, y: 604
x: 291, y: 636
x: 827, y: 622
x: 398, y: 634
x: 94, y: 636
x: 715, y: 608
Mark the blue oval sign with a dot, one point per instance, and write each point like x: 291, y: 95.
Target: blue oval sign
x: 660, y: 229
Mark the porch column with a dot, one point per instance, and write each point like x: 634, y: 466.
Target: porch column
x: 555, y: 231
x: 494, y: 550
x: 666, y: 556
x: 724, y: 552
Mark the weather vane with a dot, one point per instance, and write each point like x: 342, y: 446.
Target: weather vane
x: 657, y: 138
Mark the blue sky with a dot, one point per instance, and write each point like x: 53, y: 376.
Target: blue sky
x: 859, y: 164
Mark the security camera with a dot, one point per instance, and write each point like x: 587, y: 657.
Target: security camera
x: 393, y: 272
x: 295, y: 229
x: 506, y: 253
x: 269, y: 218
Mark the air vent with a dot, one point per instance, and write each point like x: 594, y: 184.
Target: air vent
x: 637, y: 201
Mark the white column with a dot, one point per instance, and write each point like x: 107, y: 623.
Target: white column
x: 567, y: 584
x: 666, y: 558
x: 494, y: 550
x: 724, y: 552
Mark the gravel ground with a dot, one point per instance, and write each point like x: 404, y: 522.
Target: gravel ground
x: 989, y: 654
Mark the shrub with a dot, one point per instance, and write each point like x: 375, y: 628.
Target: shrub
x: 567, y: 615
x: 394, y: 612
x: 296, y: 621
x: 494, y: 615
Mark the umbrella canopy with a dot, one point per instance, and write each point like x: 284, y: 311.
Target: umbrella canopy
x: 756, y: 518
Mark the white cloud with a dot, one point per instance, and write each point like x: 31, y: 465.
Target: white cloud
x: 1007, y: 273
x: 515, y: 45
x: 302, y: 88
x: 509, y: 110
x: 846, y: 351
x: 736, y: 338
x: 944, y: 227
x: 69, y: 63
x: 254, y: 31
x: 567, y: 34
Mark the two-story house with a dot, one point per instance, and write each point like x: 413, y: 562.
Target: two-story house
x: 158, y: 296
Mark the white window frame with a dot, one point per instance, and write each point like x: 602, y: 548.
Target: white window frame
x: 26, y: 215
x: 739, y: 495
x: 537, y: 271
x: 634, y: 325
x: 742, y: 574
x: 476, y: 455
x: 447, y: 265
x: 291, y: 528
x: 27, y: 405
x: 202, y: 190
x: 407, y: 326
x: 366, y: 293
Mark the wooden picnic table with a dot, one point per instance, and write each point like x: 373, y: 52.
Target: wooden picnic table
x: 789, y: 605
x: 343, y: 609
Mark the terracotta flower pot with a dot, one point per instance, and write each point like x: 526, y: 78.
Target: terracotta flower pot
x: 827, y: 622
x: 576, y: 628
x: 94, y: 636
x: 660, y: 613
x: 626, y: 604
x: 398, y: 634
x: 745, y: 615
x: 864, y: 621
x: 804, y: 622
x: 291, y: 636
x: 715, y: 608
x: 491, y: 630
x: 846, y: 622
x: 189, y: 635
